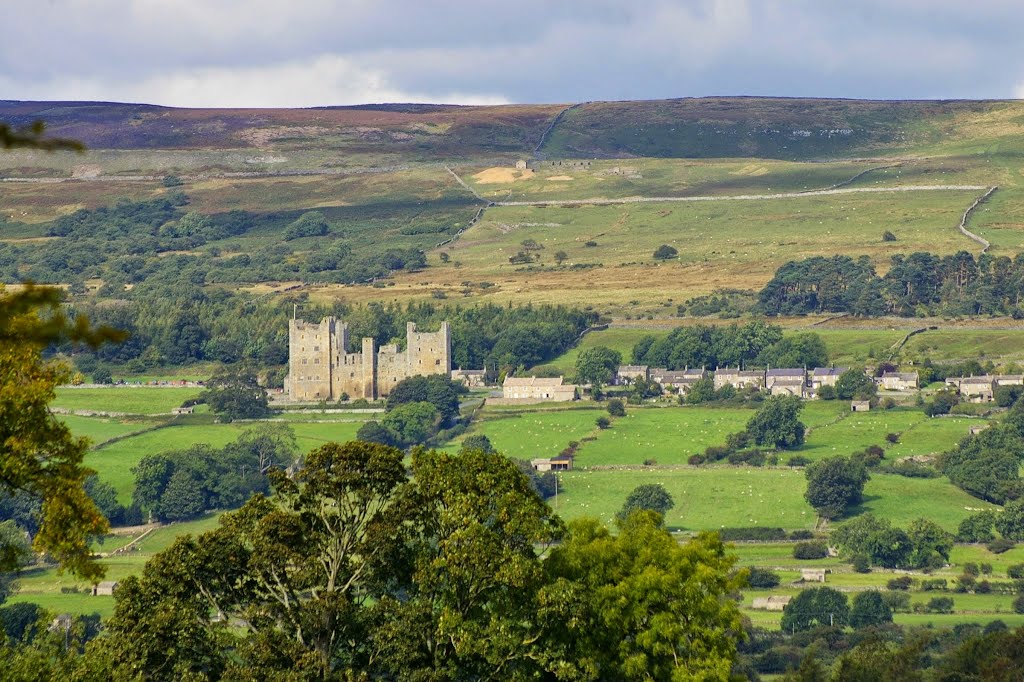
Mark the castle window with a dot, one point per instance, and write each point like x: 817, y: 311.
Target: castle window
x: 438, y: 361
x: 316, y: 361
x: 351, y: 374
x: 305, y: 361
x: 316, y: 349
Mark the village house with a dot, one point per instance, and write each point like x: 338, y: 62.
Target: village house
x: 1009, y: 380
x: 739, y: 379
x: 978, y: 389
x: 786, y: 382
x: 899, y: 381
x: 630, y: 373
x: 538, y: 389
x: 681, y: 380
x: 471, y: 378
x: 825, y: 376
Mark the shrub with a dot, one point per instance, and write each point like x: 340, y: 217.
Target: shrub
x: 971, y: 569
x: 798, y: 461
x: 763, y: 578
x: 801, y: 534
x: 888, y: 236
x: 861, y: 564
x: 902, y: 583
x: 892, y: 437
x: 1015, y: 571
x: 665, y: 252
x: 986, y: 569
x: 810, y: 550
x: 603, y: 422
x: 1000, y: 545
x: 1018, y: 604
x: 940, y: 605
x: 696, y: 460
x: 827, y: 392
x: 754, y: 458
x: 934, y: 585
x: 616, y: 408
x: 713, y: 453
x: 983, y: 587
x: 897, y: 601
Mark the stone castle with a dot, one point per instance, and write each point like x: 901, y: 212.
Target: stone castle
x: 320, y: 367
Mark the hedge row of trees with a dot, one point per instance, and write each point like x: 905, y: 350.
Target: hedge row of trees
x: 182, y: 484
x: 755, y: 343
x: 987, y: 464
x: 920, y: 283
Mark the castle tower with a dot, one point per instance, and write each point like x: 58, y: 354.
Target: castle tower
x: 310, y: 359
x: 428, y: 352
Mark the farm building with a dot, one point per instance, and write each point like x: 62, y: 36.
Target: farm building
x: 786, y: 382
x: 105, y: 588
x: 682, y: 380
x: 825, y: 376
x: 978, y: 389
x: 629, y: 373
x: 860, y: 406
x: 899, y: 381
x: 538, y: 389
x: 556, y: 463
x: 812, y: 575
x: 1009, y: 380
x: 773, y: 603
x: 473, y: 378
x: 739, y: 379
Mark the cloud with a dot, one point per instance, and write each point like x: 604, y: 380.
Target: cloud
x: 303, y: 52
x: 321, y: 81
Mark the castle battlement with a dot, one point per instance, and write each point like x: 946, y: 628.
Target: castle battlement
x: 320, y: 366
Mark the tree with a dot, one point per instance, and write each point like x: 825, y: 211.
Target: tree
x: 436, y: 389
x: 373, y: 432
x: 815, y: 607
x: 33, y: 137
x: 597, y: 365
x: 38, y: 454
x: 702, y: 391
x: 477, y: 441
x: 776, y: 423
x: 931, y: 544
x: 235, y: 394
x: 977, y: 528
x: 644, y: 606
x: 665, y: 252
x: 1010, y: 523
x: 835, y: 484
x: 855, y: 384
x: 261, y: 447
x: 603, y: 422
x: 869, y: 609
x: 412, y: 423
x: 650, y: 497
x: 182, y: 498
x: 16, y: 553
x: 309, y: 224
x: 560, y: 257
x: 888, y: 236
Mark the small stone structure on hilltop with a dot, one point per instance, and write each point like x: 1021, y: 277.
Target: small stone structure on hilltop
x: 321, y: 368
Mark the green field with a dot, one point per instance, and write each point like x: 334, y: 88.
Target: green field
x: 706, y: 498
x: 528, y: 435
x: 100, y: 429
x: 147, y: 400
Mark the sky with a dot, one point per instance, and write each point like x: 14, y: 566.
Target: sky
x: 299, y: 53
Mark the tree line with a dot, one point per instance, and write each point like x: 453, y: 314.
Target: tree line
x: 916, y: 284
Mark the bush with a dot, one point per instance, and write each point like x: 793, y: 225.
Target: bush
x: 861, y: 564
x: 801, y: 534
x: 755, y: 533
x: 1015, y: 571
x: 616, y: 408
x: 810, y: 550
x: 1018, y: 604
x: 892, y: 437
x: 897, y: 601
x: 986, y: 569
x: 713, y: 453
x: 754, y: 458
x: 940, y: 605
x: 901, y: 583
x: 1000, y: 545
x: 763, y: 578
x: 665, y: 252
x: 934, y: 585
x: 696, y: 460
x: 798, y: 461
x: 603, y: 422
x: 983, y: 587
x: 888, y: 236
x: 827, y: 392
x: 971, y: 569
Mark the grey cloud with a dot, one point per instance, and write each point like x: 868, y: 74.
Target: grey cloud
x: 180, y: 51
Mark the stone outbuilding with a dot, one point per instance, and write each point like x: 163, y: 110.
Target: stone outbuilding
x: 812, y: 575
x: 860, y: 406
x: 105, y: 588
x: 471, y: 378
x: 774, y: 603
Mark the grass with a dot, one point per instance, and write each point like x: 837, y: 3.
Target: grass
x: 706, y: 498
x: 528, y: 435
x: 145, y: 400
x: 901, y: 500
x: 100, y: 429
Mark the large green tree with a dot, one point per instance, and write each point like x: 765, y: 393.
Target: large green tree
x: 641, y: 606
x: 597, y: 365
x: 815, y: 607
x: 649, y: 496
x: 835, y: 484
x: 236, y: 394
x: 777, y: 423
